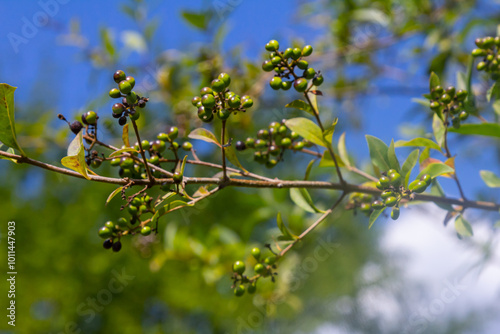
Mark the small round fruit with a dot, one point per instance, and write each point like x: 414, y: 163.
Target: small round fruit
x: 309, y: 73
x: 224, y: 77
x: 131, y: 98
x: 307, y: 50
x: 105, y: 232
x: 158, y: 146
x: 395, y: 179
x: 246, y: 103
x: 173, y: 132
x: 426, y: 178
x: 256, y: 253
x: 240, y: 146
x: 419, y: 187
x: 273, y: 45
x: 122, y: 222
x: 270, y: 260
x: 119, y: 76
x: 390, y: 201
x: 296, y: 53
x: 146, y: 230
x: 463, y: 115
x: 365, y: 207
x: 386, y: 193
x: 275, y: 83
x: 115, y: 93
x: 276, y: 61
x: 252, y: 287
x: 260, y: 143
x: 234, y: 102
x: 267, y: 66
x: 135, y: 115
x: 195, y: 100
x: 218, y: 85
x: 118, y: 108
x: 239, y: 290
x: 96, y: 163
x: 271, y: 163
x: 145, y: 145
x: 208, y: 101
x: 125, y: 87
x: 224, y: 114
x: 379, y: 185
x: 481, y: 66
x: 302, y: 64
x: 206, y: 90
x: 300, y: 85
x: 163, y: 136
x: 263, y: 134
x: 250, y: 142
x: 260, y: 269
x: 187, y: 146
x: 377, y: 205
x: 286, y: 142
x: 130, y: 80
x: 286, y: 85
x: 239, y: 267
x: 132, y: 210
x: 395, y: 213
x: 298, y: 145
x: 117, y: 246
x: 115, y: 162
x: 435, y: 105
x: 177, y: 177
x: 461, y: 95
x: 385, y: 181
x: 89, y: 118
x: 108, y: 243
x: 288, y: 53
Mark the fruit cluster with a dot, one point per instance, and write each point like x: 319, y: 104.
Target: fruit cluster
x: 449, y: 102
x: 272, y: 142
x: 285, y: 63
x: 113, y: 232
x: 488, y: 49
x: 263, y: 268
x: 219, y: 100
x: 130, y: 100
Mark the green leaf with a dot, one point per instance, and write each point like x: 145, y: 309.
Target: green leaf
x: 436, y: 190
x: 434, y: 81
x: 426, y: 153
x: 286, y: 233
x: 307, y: 129
x: 418, y: 142
x: 392, y: 158
x: 374, y: 215
x: 205, y: 135
x: 343, y: 150
x: 483, y: 129
x: 426, y: 103
x: 107, y: 42
x: 197, y: 20
x: 493, y: 92
x: 7, y: 118
x: 180, y: 168
x: 438, y: 129
x: 9, y: 150
x: 113, y: 194
x: 168, y: 208
x: 497, y: 224
x: 165, y: 197
x: 308, y: 169
x: 435, y: 169
x: 301, y: 105
x: 378, y: 152
x: 463, y: 227
x: 408, y: 166
x: 313, y: 99
x: 490, y: 179
x: 233, y: 158
x: 301, y: 197
x: 76, y: 156
x: 327, y: 161
x: 123, y: 150
x: 125, y: 138
x: 328, y: 133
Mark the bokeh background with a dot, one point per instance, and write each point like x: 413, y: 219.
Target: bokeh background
x: 409, y: 276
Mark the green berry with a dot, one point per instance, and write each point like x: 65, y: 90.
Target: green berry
x: 177, y: 177
x: 260, y: 269
x: 173, y: 132
x: 365, y: 207
x: 246, y: 103
x: 300, y: 85
x: 286, y: 85
x: 105, y: 232
x: 122, y: 222
x: 273, y: 45
x: 395, y: 213
x: 463, y: 115
x: 224, y: 114
x: 395, y: 179
x: 426, y: 178
x: 379, y: 185
x: 118, y: 108
x: 263, y: 134
x: 288, y: 53
x: 256, y: 253
x: 419, y: 187
x: 296, y: 53
x: 224, y: 77
x: 250, y: 142
x: 218, y: 85
x: 307, y: 50
x: 461, y: 95
x: 187, y: 146
x: 127, y: 163
x: 208, y: 101
x: 158, y: 146
x: 234, y: 102
x: 115, y: 93
x: 260, y: 143
x: 252, y: 287
x: 195, y: 100
x: 451, y: 91
x: 146, y: 230
x: 119, y: 76
x: 131, y: 81
x: 309, y: 73
x: 276, y: 61
x: 145, y: 145
x: 481, y: 66
x: 298, y: 145
x: 135, y: 116
x: 478, y: 53
x: 286, y: 142
x: 89, y: 118
x: 435, y: 105
x: 302, y: 64
x: 239, y: 290
x: 115, y: 162
x: 155, y: 160
x: 386, y: 194
x: 377, y: 205
x: 267, y: 66
x: 205, y: 114
x: 270, y: 260
x: 206, y: 90
x: 239, y: 267
x: 275, y: 83
x: 390, y: 201
x: 384, y: 181
x: 132, y: 209
x: 125, y: 87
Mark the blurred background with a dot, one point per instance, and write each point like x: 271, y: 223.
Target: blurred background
x: 407, y: 276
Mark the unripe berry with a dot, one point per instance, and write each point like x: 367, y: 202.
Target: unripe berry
x: 478, y: 53
x: 461, y: 95
x: 239, y: 290
x: 285, y: 142
x: 435, y: 105
x: 426, y: 178
x: 395, y: 213
x: 307, y: 50
x: 206, y: 90
x: 177, y: 177
x: 260, y: 269
x: 263, y: 134
x: 158, y: 146
x: 155, y: 160
x: 224, y: 77
x: 127, y: 163
x: 377, y: 205
x: 239, y: 267
x: 276, y: 61
x: 146, y: 230
x: 252, y: 287
x: 390, y: 201
x: 395, y: 179
x: 115, y: 162
x: 286, y: 85
x: 288, y: 53
x: 256, y: 253
x: 386, y: 194
x: 270, y: 260
x: 419, y: 187
x: 275, y: 83
x: 365, y: 207
x: 296, y: 53
x: 267, y: 66
x: 89, y: 118
x: 445, y: 98
x: 302, y: 64
x: 131, y: 98
x: 173, y: 132
x: 115, y: 93
x: 218, y: 85
x: 119, y: 76
x: 250, y: 142
x: 208, y: 101
x: 463, y: 115
x: 273, y: 45
x: 298, y: 146
x: 481, y: 66
x: 224, y: 114
x: 309, y: 73
x: 300, y: 85
x: 105, y: 232
x: 118, y: 108
x: 246, y: 103
x: 234, y: 102
x: 384, y: 181
x: 318, y: 80
x: 187, y: 146
x: 125, y: 87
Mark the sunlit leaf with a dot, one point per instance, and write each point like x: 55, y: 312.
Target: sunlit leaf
x: 123, y: 150
x: 233, y: 158
x: 392, y: 158
x: 327, y: 161
x: 301, y: 198
x: 490, y: 179
x: 343, y: 150
x: 7, y: 118
x: 301, y: 105
x: 438, y: 129
x: 205, y: 135
x: 408, y: 166
x: 307, y: 129
x: 483, y: 129
x: 463, y: 227
x: 373, y: 216
x: 197, y: 20
x: 378, y: 152
x: 328, y: 133
x: 436, y: 169
x: 113, y: 194
x: 125, y: 137
x: 76, y: 156
x: 284, y: 230
x: 309, y: 168
x: 436, y: 190
x: 434, y: 81
x: 418, y: 142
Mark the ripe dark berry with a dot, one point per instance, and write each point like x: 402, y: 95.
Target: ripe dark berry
x: 239, y: 267
x: 141, y: 103
x: 125, y: 87
x: 117, y: 246
x: 119, y: 76
x: 108, y: 243
x: 122, y: 121
x: 75, y: 127
x: 300, y: 85
x: 240, y: 146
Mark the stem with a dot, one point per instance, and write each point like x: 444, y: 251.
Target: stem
x: 223, y: 142
x: 148, y: 171
x: 448, y: 155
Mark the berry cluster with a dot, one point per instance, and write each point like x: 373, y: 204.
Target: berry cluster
x: 113, y: 232
x: 271, y: 143
x: 263, y: 268
x: 285, y: 63
x: 450, y: 103
x: 219, y: 100
x: 130, y: 100
x: 488, y: 48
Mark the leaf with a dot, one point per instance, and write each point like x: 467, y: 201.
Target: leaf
x: 436, y: 169
x: 286, y: 233
x: 169, y: 207
x: 493, y: 92
x: 76, y: 156
x: 180, y: 168
x: 123, y: 150
x: 483, y: 129
x: 113, y: 194
x: 307, y: 129
x: 490, y: 179
x: 425, y: 155
x: 463, y: 227
x: 343, y: 150
x: 373, y: 15
x: 327, y: 161
x: 7, y: 118
x: 233, y: 158
x: 205, y: 135
x: 125, y: 139
x: 308, y: 169
x: 392, y: 158
x: 197, y: 20
x: 434, y: 81
x: 426, y: 103
x: 134, y: 41
x: 301, y: 197
x: 438, y: 129
x: 373, y: 217
x: 314, y: 101
x: 301, y: 105
x: 418, y: 142
x: 408, y: 166
x: 107, y: 42
x: 328, y: 133
x: 378, y: 152
x: 436, y: 190
x: 165, y: 197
